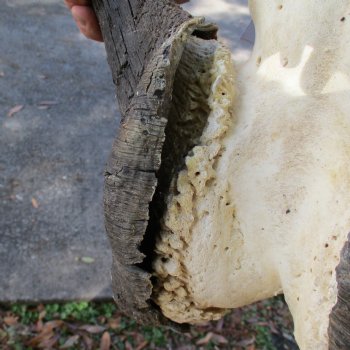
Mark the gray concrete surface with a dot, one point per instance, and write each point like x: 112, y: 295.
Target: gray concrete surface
x: 52, y: 241
x: 52, y: 158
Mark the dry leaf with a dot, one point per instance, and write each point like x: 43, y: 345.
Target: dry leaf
x: 93, y: 329
x: 43, y: 107
x: 46, y: 339
x: 42, y: 314
x: 219, y: 339
x: 10, y: 320
x: 45, y: 336
x: 35, y: 203
x: 220, y: 325
x: 88, y: 342
x: 48, y: 343
x: 128, y: 346
x: 87, y: 259
x: 47, y: 103
x: 205, y: 340
x: 70, y: 342
x: 105, y: 343
x: 114, y: 323
x: 39, y: 326
x: 50, y: 325
x: 142, y: 345
x: 2, y: 74
x: 14, y: 110
x: 3, y: 334
x: 42, y: 76
x: 245, y: 342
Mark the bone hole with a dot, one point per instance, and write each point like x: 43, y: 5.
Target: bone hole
x: 258, y: 61
x: 280, y: 7
x: 226, y: 249
x: 197, y: 173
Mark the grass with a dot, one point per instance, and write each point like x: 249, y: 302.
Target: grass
x: 90, y: 325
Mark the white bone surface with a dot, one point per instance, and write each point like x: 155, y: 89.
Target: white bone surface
x: 275, y: 214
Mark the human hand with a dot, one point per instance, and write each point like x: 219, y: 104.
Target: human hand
x: 86, y: 19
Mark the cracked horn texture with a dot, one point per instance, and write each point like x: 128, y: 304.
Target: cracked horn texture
x: 144, y: 41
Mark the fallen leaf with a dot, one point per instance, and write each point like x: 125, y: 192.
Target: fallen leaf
x: 93, y: 329
x: 10, y: 320
x: 142, y: 345
x: 41, y: 307
x: 273, y: 328
x: 47, y: 103
x: 245, y: 342
x: 220, y: 325
x: 45, y: 336
x: 43, y: 107
x: 48, y: 343
x: 105, y: 343
x: 87, y: 259
x: 3, y: 334
x: 15, y: 110
x: 114, y: 323
x: 42, y: 314
x: 101, y: 319
x: 35, y: 203
x: 88, y: 342
x: 288, y: 337
x: 128, y: 346
x: 205, y: 340
x: 42, y: 76
x: 50, y: 325
x: 70, y: 342
x: 39, y: 326
x: 219, y: 339
x: 2, y: 74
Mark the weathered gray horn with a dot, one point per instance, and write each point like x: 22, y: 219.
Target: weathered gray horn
x: 144, y: 40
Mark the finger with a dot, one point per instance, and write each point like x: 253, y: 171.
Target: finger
x: 71, y: 3
x: 87, y: 22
